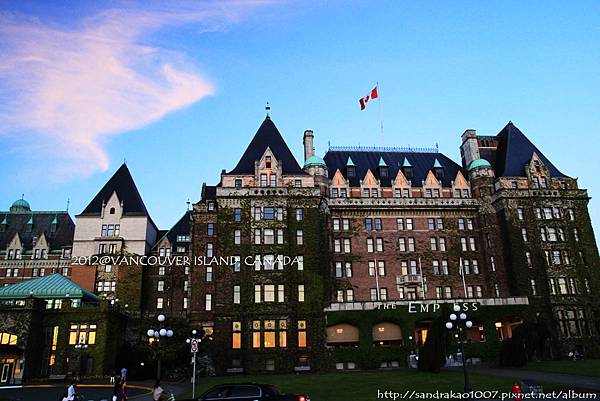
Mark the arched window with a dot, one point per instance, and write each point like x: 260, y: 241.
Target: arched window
x: 341, y: 335
x: 112, y: 210
x: 387, y: 333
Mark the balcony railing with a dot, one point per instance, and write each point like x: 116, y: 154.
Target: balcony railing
x: 408, y: 279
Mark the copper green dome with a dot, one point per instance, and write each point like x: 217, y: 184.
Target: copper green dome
x: 20, y: 205
x: 314, y: 161
x: 479, y: 163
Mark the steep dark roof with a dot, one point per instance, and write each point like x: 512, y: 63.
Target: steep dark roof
x: 42, y: 221
x: 182, y: 227
x: 122, y: 183
x: 421, y: 163
x: 267, y: 136
x: 514, y: 152
x: 209, y: 192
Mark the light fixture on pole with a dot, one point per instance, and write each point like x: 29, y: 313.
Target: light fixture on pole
x: 156, y: 334
x: 460, y: 324
x: 194, y: 342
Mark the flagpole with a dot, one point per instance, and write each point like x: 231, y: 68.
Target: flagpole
x: 462, y: 273
x: 380, y: 113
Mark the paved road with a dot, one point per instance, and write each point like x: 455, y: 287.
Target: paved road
x: 570, y: 381
x: 55, y: 392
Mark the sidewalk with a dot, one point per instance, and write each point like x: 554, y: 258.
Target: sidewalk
x: 572, y: 381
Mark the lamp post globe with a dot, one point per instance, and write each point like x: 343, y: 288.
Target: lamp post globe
x: 456, y: 308
x: 194, y: 332
x: 162, y: 332
x: 169, y: 333
x: 161, y: 318
x: 150, y: 332
x: 449, y: 325
x: 469, y: 324
x: 463, y: 316
x: 452, y: 316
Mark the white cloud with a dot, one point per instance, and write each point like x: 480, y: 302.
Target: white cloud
x: 73, y: 88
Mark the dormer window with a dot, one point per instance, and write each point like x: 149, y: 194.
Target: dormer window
x: 273, y: 180
x: 112, y: 210
x: 238, y: 183
x: 384, y: 171
x: 263, y: 180
x: 34, y: 240
x: 268, y: 161
x: 351, y: 171
x: 439, y: 173
x: 543, y: 182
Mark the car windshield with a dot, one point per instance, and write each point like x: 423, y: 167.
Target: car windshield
x: 217, y: 392
x: 244, y: 391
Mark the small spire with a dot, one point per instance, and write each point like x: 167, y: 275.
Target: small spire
x: 268, y: 109
x: 188, y: 204
x: 68, y: 201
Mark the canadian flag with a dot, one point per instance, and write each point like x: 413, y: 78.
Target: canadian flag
x: 363, y: 101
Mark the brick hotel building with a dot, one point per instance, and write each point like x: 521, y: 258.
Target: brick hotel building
x: 375, y: 237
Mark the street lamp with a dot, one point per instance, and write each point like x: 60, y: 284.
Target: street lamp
x: 194, y: 341
x: 460, y: 323
x: 156, y: 334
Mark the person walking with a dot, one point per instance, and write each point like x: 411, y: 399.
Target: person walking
x: 71, y: 391
x: 124, y: 373
x: 116, y: 390
x: 158, y: 394
x: 123, y: 389
x: 112, y: 376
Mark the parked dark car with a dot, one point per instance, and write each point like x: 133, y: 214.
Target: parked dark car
x: 249, y: 392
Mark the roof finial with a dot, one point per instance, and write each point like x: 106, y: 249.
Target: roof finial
x: 68, y: 201
x: 22, y: 196
x: 124, y: 160
x: 268, y: 108
x: 188, y: 204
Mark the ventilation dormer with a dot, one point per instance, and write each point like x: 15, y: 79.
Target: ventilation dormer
x: 350, y: 168
x: 384, y: 170
x: 438, y: 169
x: 407, y: 169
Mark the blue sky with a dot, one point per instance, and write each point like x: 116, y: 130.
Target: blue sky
x: 179, y: 90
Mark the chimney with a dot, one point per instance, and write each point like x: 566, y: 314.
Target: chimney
x: 309, y: 149
x: 470, y: 148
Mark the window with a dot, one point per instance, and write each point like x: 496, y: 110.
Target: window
x: 208, y: 302
x: 237, y: 237
x: 368, y: 224
x: 280, y: 293
x: 400, y: 224
x: 520, y: 213
x: 524, y: 235
x: 209, y: 273
x: 409, y: 224
x: 159, y: 303
x: 402, y: 244
x: 299, y: 214
x: 268, y: 236
x: 383, y: 294
x: 209, y: 250
x: 297, y: 183
x: 442, y: 244
x: 347, y: 247
x: 336, y: 224
x: 472, y: 243
x: 263, y: 180
x: 269, y: 293
x: 374, y: 294
x: 411, y: 244
x: 301, y: 333
x: 433, y: 242
x: 268, y: 213
x: 257, y: 235
x: 273, y: 180
x: 431, y: 224
x: 160, y: 286
x: 236, y: 341
x: 369, y: 244
x: 463, y: 243
x: 211, y: 206
x: 236, y: 294
x: 492, y: 264
x: 300, y: 260
x: 299, y: 237
x: 448, y: 292
x: 300, y: 292
x: 238, y: 183
x: 345, y: 224
x: 82, y: 333
x: 343, y: 193
x: 237, y: 214
x: 571, y: 214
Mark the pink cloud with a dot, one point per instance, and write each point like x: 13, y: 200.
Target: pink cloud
x: 73, y: 89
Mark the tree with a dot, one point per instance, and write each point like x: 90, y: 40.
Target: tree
x: 432, y: 355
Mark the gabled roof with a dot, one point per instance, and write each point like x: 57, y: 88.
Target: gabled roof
x: 122, y: 183
x: 61, y: 236
x: 183, y: 227
x: 514, y: 152
x: 267, y: 136
x: 421, y: 162
x: 47, y: 287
